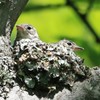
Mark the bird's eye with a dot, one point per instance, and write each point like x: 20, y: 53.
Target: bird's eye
x: 69, y: 43
x: 29, y: 28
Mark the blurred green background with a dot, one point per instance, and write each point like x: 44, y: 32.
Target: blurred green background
x: 55, y: 21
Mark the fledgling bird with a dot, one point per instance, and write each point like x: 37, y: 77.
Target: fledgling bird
x: 26, y: 38
x: 70, y: 44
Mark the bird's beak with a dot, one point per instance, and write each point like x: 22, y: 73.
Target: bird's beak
x: 78, y: 48
x: 19, y: 27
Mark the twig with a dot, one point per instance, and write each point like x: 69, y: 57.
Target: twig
x: 83, y: 18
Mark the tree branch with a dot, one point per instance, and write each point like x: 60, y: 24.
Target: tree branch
x: 9, y: 13
x: 83, y: 18
x: 91, y: 2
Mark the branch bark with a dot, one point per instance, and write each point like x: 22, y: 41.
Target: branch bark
x: 9, y: 13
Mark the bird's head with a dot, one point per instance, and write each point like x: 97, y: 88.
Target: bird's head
x: 74, y: 46
x: 25, y: 31
x: 71, y: 45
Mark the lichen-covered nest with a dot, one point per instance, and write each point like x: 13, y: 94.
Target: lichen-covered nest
x: 48, y: 67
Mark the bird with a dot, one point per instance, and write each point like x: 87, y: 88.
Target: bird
x: 70, y: 44
x: 26, y: 38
